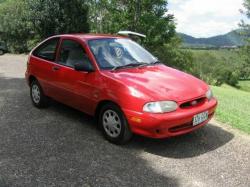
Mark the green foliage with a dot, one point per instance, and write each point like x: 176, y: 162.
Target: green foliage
x: 58, y: 17
x: 173, y: 56
x: 37, y: 19
x: 14, y: 28
x: 147, y: 17
x: 245, y: 66
x: 25, y: 22
x: 245, y: 51
x: 218, y: 66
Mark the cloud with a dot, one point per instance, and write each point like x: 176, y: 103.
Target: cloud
x: 204, y: 18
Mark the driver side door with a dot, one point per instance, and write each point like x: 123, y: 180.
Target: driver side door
x: 74, y: 88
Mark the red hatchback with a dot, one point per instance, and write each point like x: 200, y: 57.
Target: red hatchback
x: 120, y: 83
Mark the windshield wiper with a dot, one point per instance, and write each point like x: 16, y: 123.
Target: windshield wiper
x: 142, y: 64
x: 131, y: 65
x: 156, y: 62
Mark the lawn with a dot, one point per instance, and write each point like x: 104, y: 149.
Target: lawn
x: 234, y: 107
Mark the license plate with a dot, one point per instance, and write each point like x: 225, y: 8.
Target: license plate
x: 199, y: 118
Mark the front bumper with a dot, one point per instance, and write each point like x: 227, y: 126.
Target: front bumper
x: 168, y: 124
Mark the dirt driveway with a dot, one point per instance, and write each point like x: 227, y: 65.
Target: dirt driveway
x: 60, y: 146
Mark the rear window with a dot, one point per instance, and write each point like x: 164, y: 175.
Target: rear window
x: 47, y: 50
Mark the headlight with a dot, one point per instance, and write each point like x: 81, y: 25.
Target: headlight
x: 209, y: 94
x: 160, y: 107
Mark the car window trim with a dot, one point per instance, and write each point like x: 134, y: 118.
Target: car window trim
x: 43, y: 43
x: 60, y: 47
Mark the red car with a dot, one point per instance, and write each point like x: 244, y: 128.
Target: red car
x: 120, y: 83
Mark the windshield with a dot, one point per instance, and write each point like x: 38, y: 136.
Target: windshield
x: 112, y: 53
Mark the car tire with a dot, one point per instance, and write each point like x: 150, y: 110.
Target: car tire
x: 1, y: 52
x: 38, y: 98
x: 114, y: 124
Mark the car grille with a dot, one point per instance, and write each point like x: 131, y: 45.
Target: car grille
x: 193, y: 103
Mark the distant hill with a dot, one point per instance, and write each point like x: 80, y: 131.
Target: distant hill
x: 231, y: 39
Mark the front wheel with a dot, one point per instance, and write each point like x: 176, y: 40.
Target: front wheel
x: 38, y: 98
x: 114, y: 124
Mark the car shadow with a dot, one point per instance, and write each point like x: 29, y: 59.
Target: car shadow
x: 201, y: 141
x: 60, y: 146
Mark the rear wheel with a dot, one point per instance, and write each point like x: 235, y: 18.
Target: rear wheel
x: 114, y: 124
x: 38, y: 98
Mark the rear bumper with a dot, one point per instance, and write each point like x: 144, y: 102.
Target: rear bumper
x: 168, y: 124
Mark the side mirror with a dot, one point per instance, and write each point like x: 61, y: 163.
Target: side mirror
x: 84, y: 67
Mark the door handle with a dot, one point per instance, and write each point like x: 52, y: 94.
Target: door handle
x: 55, y: 68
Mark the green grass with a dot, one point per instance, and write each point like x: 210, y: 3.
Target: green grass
x: 234, y: 107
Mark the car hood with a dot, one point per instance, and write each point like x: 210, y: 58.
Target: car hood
x: 160, y: 82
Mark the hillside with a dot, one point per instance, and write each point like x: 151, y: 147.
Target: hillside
x: 232, y: 38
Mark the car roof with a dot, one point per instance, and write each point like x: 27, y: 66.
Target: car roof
x: 90, y: 36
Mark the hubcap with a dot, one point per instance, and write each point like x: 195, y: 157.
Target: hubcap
x: 35, y: 94
x: 111, y: 123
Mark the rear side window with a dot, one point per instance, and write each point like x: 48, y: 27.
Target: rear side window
x: 47, y: 50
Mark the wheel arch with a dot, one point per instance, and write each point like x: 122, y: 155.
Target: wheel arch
x: 101, y: 104
x: 31, y: 79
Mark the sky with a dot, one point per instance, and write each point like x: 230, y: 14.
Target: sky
x: 206, y: 18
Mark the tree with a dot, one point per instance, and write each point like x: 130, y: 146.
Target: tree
x: 147, y: 17
x: 14, y: 28
x: 58, y: 16
x: 25, y: 22
x: 245, y: 70
x: 171, y: 54
x: 216, y: 69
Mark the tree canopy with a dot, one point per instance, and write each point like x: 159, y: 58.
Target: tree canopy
x: 50, y: 17
x: 25, y: 22
x: 148, y: 17
x: 39, y: 19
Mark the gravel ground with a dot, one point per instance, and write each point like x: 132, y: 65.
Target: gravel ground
x: 60, y: 146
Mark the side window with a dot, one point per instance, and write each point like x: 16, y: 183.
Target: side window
x: 47, y: 50
x: 72, y: 53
